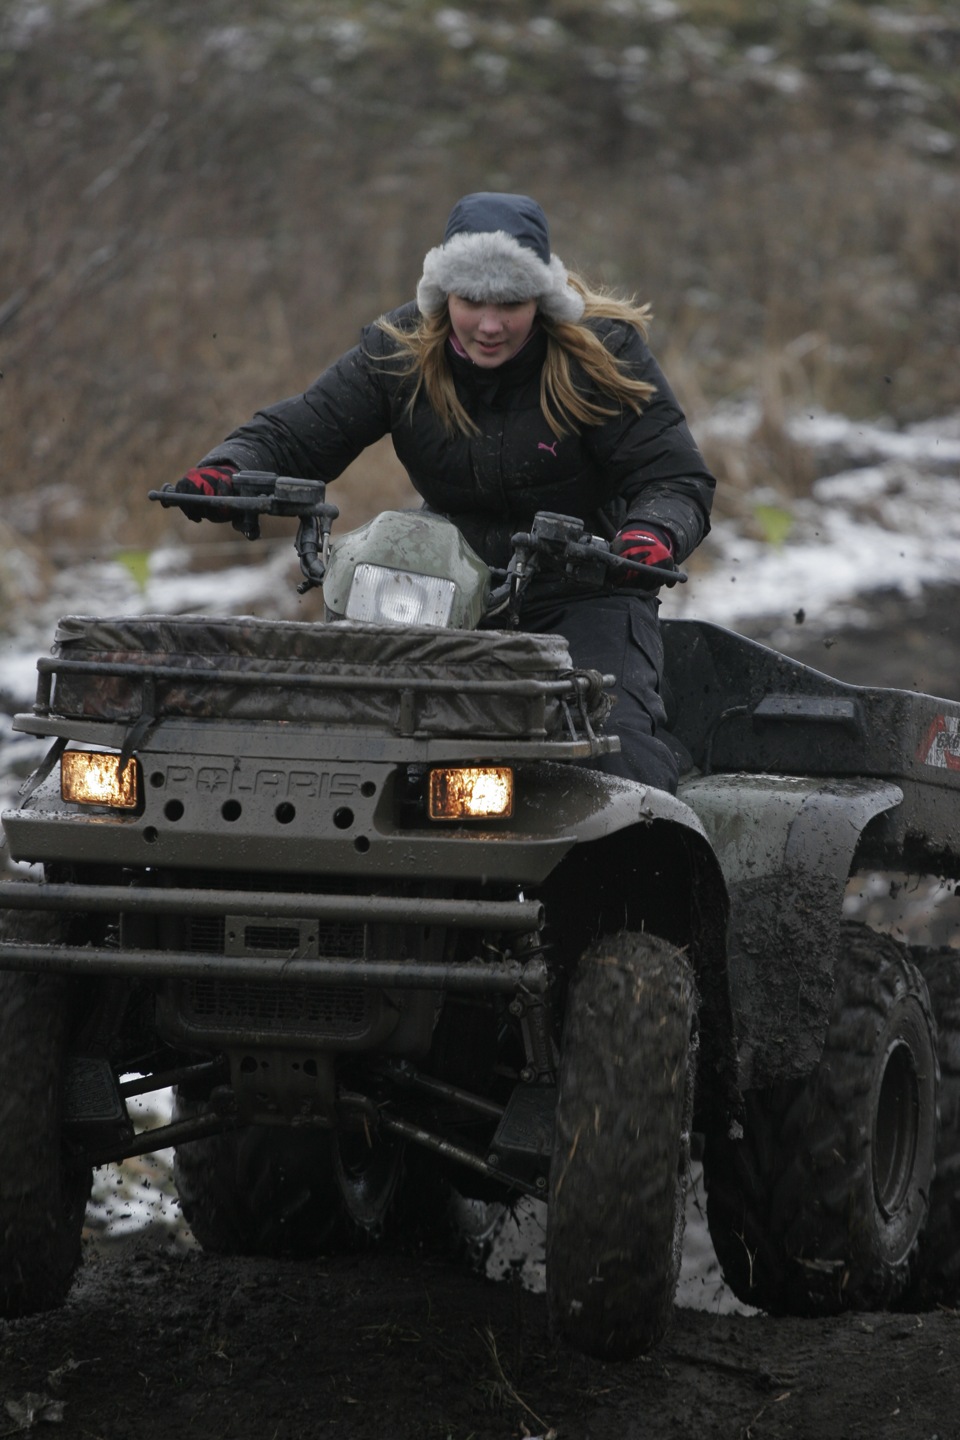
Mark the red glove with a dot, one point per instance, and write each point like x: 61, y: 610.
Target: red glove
x: 209, y: 480
x: 647, y: 545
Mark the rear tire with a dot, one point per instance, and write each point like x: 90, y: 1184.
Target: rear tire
x: 44, y: 1187
x: 936, y: 1279
x: 257, y: 1190
x: 264, y: 1190
x: 620, y: 1167
x: 820, y: 1206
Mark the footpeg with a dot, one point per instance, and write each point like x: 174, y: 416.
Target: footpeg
x: 94, y: 1112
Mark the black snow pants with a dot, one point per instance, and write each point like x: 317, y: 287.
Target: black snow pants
x: 619, y: 635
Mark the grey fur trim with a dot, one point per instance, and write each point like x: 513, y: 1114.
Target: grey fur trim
x: 492, y: 265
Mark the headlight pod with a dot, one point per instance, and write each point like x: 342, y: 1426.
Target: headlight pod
x: 481, y: 792
x: 93, y: 777
x: 399, y: 597
x: 420, y: 563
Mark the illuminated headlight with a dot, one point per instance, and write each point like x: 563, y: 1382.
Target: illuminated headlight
x: 479, y: 793
x: 399, y: 597
x: 89, y: 777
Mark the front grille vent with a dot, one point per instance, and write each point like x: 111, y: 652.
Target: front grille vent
x: 277, y: 939
x: 324, y: 1011
x: 244, y: 935
x: 204, y: 933
x: 337, y: 940
x: 218, y: 1007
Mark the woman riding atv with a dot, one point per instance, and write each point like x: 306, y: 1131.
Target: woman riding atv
x: 509, y: 386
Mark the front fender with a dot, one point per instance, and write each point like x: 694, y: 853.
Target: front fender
x: 785, y: 845
x: 641, y: 859
x: 588, y: 804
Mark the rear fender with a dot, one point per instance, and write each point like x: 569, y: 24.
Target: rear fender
x: 785, y: 845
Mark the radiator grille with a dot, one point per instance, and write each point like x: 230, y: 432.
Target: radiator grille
x: 327, y: 1011
x: 215, y: 1005
x: 336, y: 938
x: 204, y: 933
x: 282, y: 938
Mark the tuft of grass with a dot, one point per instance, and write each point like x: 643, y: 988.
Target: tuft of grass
x: 775, y: 523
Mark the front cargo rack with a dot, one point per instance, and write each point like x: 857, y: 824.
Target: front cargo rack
x: 415, y: 682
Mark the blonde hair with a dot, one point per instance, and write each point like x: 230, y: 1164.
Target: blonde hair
x: 423, y: 351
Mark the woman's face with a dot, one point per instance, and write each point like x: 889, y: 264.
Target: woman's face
x: 491, y: 334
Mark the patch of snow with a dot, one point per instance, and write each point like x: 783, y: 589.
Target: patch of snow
x: 348, y: 36
x: 889, y: 519
x: 455, y: 25
x: 239, y: 47
x: 24, y: 22
x: 514, y: 1241
x: 544, y: 27
x: 898, y: 22
x: 494, y: 68
x: 930, y: 139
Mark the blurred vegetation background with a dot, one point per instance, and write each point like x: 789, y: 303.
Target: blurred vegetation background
x: 204, y: 201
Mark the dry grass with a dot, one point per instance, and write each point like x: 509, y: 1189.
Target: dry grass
x: 201, y: 222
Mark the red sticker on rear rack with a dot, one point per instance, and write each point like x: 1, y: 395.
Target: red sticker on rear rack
x: 941, y: 746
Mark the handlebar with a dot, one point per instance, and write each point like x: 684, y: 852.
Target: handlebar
x: 560, y: 545
x: 554, y: 545
x: 260, y: 492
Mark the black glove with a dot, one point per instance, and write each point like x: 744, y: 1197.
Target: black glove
x: 209, y: 480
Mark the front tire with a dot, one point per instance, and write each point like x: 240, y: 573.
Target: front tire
x: 818, y: 1208
x: 621, y: 1158
x: 44, y: 1187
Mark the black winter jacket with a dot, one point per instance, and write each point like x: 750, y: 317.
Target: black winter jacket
x: 642, y: 467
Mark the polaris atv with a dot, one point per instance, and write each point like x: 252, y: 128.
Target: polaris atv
x: 353, y: 889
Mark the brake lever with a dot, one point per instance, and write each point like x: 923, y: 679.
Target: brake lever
x: 591, y: 561
x: 558, y: 544
x: 664, y: 575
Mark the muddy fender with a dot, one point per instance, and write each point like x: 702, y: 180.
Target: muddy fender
x: 642, y: 860
x: 785, y: 845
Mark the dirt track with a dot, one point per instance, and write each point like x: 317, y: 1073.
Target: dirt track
x: 155, y: 1342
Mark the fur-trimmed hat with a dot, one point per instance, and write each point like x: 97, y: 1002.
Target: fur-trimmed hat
x: 496, y: 247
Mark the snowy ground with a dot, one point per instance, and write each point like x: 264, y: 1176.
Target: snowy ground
x: 886, y: 514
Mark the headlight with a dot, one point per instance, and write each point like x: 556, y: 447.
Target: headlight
x: 478, y: 793
x: 399, y: 597
x: 89, y: 777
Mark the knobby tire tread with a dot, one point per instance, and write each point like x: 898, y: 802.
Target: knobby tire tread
x: 256, y: 1190
x: 44, y: 1187
x: 621, y: 1157
x: 790, y: 1204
